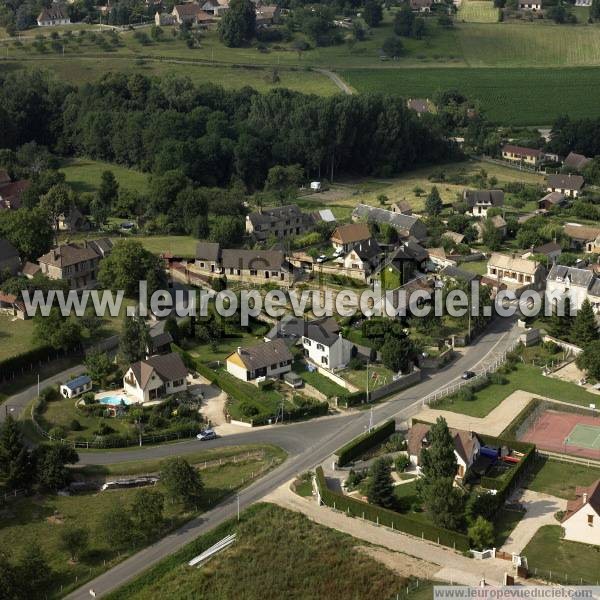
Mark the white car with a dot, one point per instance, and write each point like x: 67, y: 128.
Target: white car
x: 207, y: 434
x: 321, y: 259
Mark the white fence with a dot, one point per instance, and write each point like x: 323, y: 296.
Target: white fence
x: 207, y: 554
x: 481, y: 374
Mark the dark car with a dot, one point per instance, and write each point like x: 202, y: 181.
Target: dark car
x: 468, y: 375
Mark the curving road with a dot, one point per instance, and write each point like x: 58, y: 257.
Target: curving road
x: 308, y: 444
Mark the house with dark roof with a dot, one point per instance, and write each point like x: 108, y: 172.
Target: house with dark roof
x: 56, y: 14
x: 480, y: 201
x: 363, y: 258
x: 568, y: 185
x: 577, y: 284
x: 551, y: 250
x: 497, y: 221
x: 291, y: 328
x: 522, y: 155
x: 9, y: 258
x: 581, y: 521
x: 102, y: 246
x: 423, y: 6
x: 280, y: 222
x: 401, y: 265
x: 160, y: 342
x: 576, y: 161
x: 257, y: 266
x: 467, y: 446
x: 402, y: 207
x: 551, y: 200
x: 208, y: 257
x: 155, y: 378
x: 11, y: 193
x: 345, y: 237
x: 266, y: 359
x: 267, y: 14
x: 74, y: 220
x: 457, y: 275
x: 324, y: 347
x: 77, y: 264
x: 533, y: 5
x: 405, y: 225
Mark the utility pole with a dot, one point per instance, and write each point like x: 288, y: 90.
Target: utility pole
x: 367, y: 381
x: 238, y: 507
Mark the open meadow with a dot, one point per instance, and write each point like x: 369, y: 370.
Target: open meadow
x: 478, y: 11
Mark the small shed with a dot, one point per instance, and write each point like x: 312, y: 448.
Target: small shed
x: 76, y: 387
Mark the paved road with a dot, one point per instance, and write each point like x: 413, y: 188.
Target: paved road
x: 339, y: 82
x: 307, y: 444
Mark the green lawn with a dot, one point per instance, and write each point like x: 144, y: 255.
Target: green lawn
x: 560, y: 479
x: 505, y: 95
x: 277, y: 554
x: 478, y: 11
x: 378, y: 375
x: 16, y: 336
x: 39, y: 519
x: 223, y: 347
x: 547, y: 553
x: 84, y: 175
x: 178, y: 245
x: 504, y: 523
x: 318, y: 381
x: 478, y: 267
x: 527, y: 378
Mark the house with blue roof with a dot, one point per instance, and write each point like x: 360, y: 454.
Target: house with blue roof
x: 76, y: 387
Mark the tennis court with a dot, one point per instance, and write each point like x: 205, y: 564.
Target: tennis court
x: 565, y: 432
x: 585, y: 436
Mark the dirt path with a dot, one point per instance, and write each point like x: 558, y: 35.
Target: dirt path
x: 337, y: 80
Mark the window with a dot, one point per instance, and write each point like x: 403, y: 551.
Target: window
x: 591, y: 520
x: 306, y: 341
x: 320, y: 347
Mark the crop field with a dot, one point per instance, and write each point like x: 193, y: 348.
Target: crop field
x: 507, y: 96
x: 478, y: 11
x: 529, y: 44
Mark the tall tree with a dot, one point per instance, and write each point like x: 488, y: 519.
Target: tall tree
x: 75, y: 541
x: 15, y: 463
x: 561, y: 325
x: 50, y: 465
x: 182, y: 481
x: 433, y: 203
x: 585, y: 327
x: 372, y: 13
x: 238, y: 25
x: 135, y: 339
x: 147, y: 513
x: 589, y: 360
x: 34, y: 572
x: 381, y: 488
x: 108, y: 191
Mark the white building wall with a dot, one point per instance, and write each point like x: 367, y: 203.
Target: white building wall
x: 578, y: 529
x: 237, y: 371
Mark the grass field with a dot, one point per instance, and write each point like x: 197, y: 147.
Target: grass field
x: 39, y: 519
x: 278, y: 554
x: 560, y: 479
x: 318, y: 381
x: 178, y: 245
x: 84, y: 175
x: 478, y: 11
x: 15, y: 336
x: 78, y: 70
x: 569, y: 562
x: 527, y: 378
x: 505, y: 95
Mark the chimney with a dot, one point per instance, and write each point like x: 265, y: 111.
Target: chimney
x: 239, y: 350
x: 585, y: 497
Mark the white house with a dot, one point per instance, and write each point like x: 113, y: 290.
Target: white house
x: 577, y: 284
x: 76, y: 387
x: 480, y: 201
x: 325, y: 348
x: 568, y: 185
x: 55, y: 15
x: 582, y: 519
x: 267, y: 359
x: 466, y: 446
x: 155, y: 378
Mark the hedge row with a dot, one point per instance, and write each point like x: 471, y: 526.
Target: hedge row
x: 353, y: 399
x: 318, y: 409
x: 510, y: 483
x: 363, y: 442
x: 24, y: 362
x: 389, y: 518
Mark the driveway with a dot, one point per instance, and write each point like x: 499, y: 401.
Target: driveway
x: 540, y: 510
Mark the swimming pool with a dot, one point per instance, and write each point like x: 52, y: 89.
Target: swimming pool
x: 114, y: 400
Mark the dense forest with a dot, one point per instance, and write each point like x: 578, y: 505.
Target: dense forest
x: 213, y: 136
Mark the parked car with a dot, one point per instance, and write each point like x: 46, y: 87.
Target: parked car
x: 321, y: 259
x: 207, y: 434
x: 468, y: 375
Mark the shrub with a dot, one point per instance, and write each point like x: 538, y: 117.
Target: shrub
x: 395, y: 443
x: 354, y: 479
x: 57, y: 433
x: 88, y: 398
x: 104, y: 429
x: 465, y: 394
x: 363, y: 442
x: 498, y: 379
x: 402, y: 463
x: 355, y: 364
x: 267, y: 384
x: 248, y: 410
x: 50, y: 394
x: 75, y: 425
